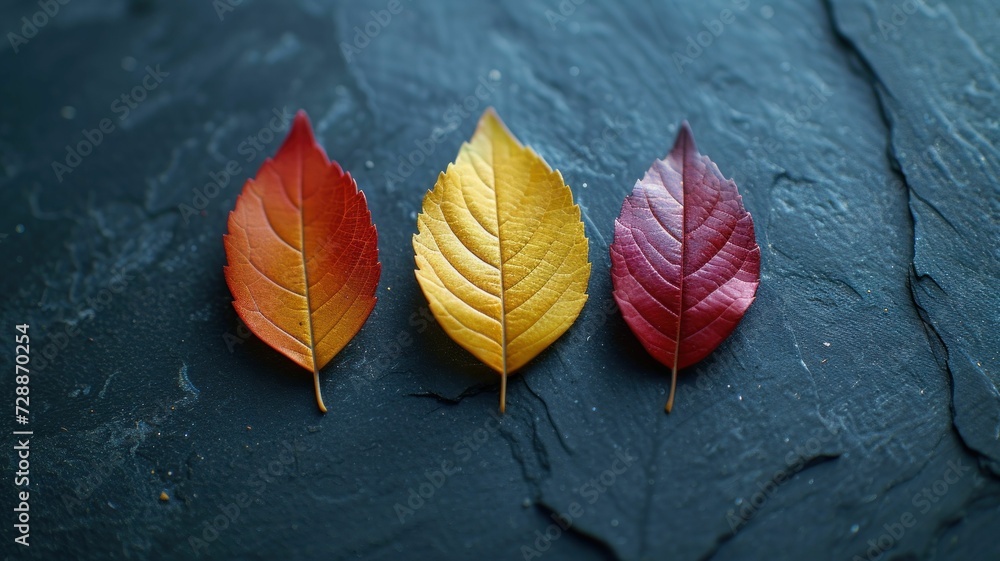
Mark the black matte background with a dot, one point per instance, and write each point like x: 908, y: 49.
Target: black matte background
x: 866, y: 153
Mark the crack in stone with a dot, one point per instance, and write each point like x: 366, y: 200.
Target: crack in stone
x: 881, y: 93
x: 548, y: 412
x: 722, y: 540
x: 454, y: 400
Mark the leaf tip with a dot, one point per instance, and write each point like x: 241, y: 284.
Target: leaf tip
x: 301, y: 124
x: 301, y: 118
x: 489, y: 118
x: 492, y: 126
x: 685, y: 141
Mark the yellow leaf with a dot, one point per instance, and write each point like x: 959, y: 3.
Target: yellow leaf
x: 501, y: 252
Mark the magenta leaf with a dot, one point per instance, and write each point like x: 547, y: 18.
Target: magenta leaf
x: 684, y: 264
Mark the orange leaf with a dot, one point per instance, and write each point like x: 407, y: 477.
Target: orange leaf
x: 302, y: 254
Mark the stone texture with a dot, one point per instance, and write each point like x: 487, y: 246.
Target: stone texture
x: 863, y: 375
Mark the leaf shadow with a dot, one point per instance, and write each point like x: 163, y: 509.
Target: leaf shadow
x: 265, y: 377
x: 456, y: 373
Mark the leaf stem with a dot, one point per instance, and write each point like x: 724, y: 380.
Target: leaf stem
x: 503, y: 392
x: 673, y: 388
x: 319, y: 396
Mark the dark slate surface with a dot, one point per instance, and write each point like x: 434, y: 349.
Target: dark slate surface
x: 862, y: 377
x: 942, y: 141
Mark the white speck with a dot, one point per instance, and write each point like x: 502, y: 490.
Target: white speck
x: 128, y: 64
x: 68, y: 112
x: 574, y: 71
x: 825, y: 344
x: 614, y: 522
x: 741, y: 398
x: 855, y: 528
x: 369, y: 164
x: 19, y: 228
x: 811, y: 481
x: 584, y: 185
x: 495, y: 75
x: 766, y: 12
x: 593, y: 409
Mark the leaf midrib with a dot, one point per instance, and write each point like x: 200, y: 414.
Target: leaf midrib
x: 683, y: 240
x: 503, y: 279
x: 305, y: 268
